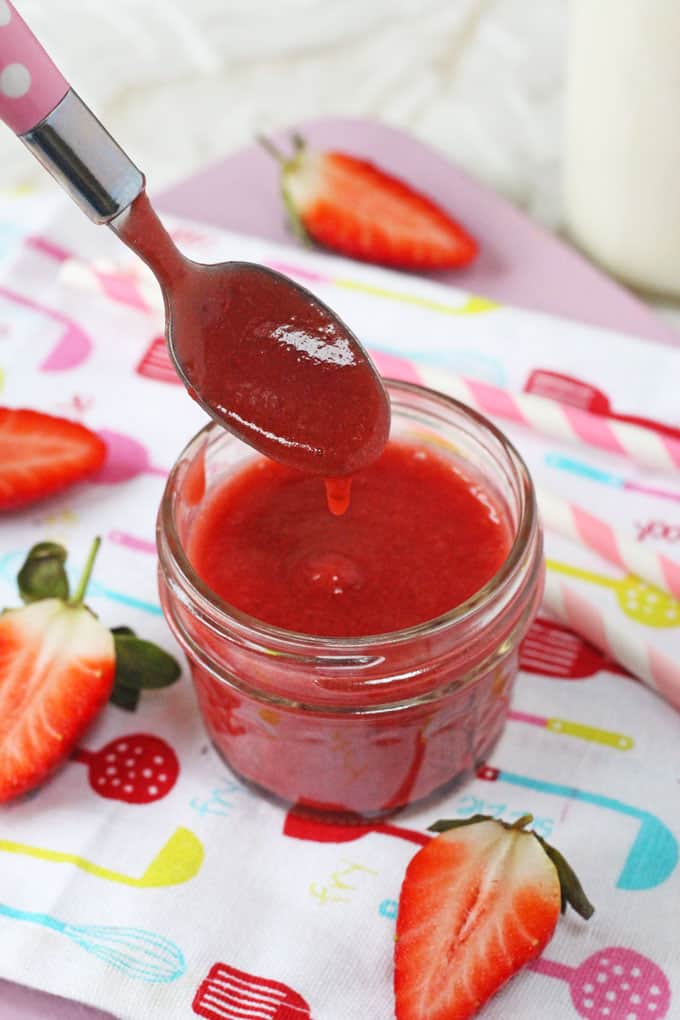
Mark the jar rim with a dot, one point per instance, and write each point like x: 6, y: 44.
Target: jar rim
x: 318, y: 645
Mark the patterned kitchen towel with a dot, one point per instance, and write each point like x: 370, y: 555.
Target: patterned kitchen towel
x: 186, y: 894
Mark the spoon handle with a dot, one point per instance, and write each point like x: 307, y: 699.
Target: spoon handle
x: 37, y: 103
x: 30, y: 84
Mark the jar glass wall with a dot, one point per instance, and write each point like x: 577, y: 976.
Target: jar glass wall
x: 359, y: 725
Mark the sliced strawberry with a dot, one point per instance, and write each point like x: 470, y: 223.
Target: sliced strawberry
x: 476, y: 905
x: 57, y: 665
x: 354, y: 207
x: 41, y: 454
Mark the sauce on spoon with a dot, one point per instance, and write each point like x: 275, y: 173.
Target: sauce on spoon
x: 267, y: 359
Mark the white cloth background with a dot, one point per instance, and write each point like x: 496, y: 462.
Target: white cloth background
x: 182, y: 85
x: 481, y: 79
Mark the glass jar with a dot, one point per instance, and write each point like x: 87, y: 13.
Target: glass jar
x: 358, y: 725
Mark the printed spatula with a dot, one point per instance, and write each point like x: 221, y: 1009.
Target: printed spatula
x: 551, y: 649
x: 231, y: 994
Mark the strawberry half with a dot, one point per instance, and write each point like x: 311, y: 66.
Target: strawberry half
x: 57, y: 666
x: 41, y: 454
x: 476, y: 905
x: 352, y: 206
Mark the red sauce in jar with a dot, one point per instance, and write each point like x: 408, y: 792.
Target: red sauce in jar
x: 419, y: 538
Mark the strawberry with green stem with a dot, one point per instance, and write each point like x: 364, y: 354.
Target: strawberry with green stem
x: 477, y: 904
x: 354, y: 207
x: 58, y: 667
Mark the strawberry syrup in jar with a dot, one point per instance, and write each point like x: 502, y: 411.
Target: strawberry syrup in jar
x: 355, y: 664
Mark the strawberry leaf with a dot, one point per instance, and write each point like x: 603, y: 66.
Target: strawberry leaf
x: 125, y: 697
x: 43, y: 575
x: 141, y: 665
x: 570, y: 887
x: 444, y: 824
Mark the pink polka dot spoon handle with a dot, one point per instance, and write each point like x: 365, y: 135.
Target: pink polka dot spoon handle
x: 39, y: 105
x: 30, y: 85
x: 137, y: 768
x: 613, y: 984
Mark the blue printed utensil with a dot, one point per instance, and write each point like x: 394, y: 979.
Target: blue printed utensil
x: 614, y: 481
x: 654, y: 854
x: 137, y: 953
x: 11, y: 562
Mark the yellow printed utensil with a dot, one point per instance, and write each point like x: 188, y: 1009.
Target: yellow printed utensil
x: 641, y: 602
x: 619, y: 741
x: 177, y: 861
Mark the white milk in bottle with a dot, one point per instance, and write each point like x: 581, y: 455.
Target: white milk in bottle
x: 622, y: 144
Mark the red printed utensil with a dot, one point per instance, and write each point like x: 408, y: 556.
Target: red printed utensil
x: 156, y: 364
x: 566, y: 389
x: 230, y: 994
x: 322, y: 829
x: 552, y: 649
x: 137, y: 768
x: 614, y: 984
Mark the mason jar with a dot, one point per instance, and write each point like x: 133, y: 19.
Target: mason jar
x: 357, y: 726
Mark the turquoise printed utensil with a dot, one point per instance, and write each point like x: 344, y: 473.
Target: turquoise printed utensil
x: 11, y: 561
x: 593, y: 474
x: 139, y: 954
x: 654, y: 853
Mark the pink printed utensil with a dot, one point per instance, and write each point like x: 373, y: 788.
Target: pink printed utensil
x: 132, y: 542
x: 118, y: 286
x: 569, y: 390
x: 613, y: 984
x: 551, y: 649
x: 74, y: 345
x: 137, y: 768
x: 126, y: 458
x: 319, y: 829
x: 609, y: 478
x: 231, y: 994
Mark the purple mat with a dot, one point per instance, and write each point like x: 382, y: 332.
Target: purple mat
x: 519, y: 264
